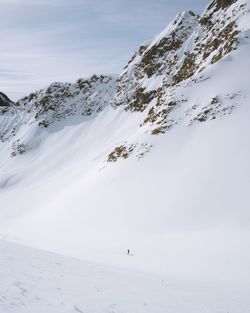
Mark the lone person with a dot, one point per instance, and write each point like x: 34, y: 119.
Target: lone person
x: 128, y: 251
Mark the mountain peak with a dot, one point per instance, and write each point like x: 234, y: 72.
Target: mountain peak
x: 176, y: 57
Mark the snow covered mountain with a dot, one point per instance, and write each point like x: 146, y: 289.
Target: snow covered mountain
x: 53, y: 104
x: 160, y: 75
x: 157, y: 81
x: 156, y: 160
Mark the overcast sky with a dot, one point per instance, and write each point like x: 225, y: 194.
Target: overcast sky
x: 42, y: 41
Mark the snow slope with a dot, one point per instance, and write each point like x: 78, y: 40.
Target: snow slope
x: 160, y: 167
x: 35, y: 281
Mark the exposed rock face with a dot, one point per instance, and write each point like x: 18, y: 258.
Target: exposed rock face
x: 152, y: 62
x: 221, y: 4
x: 5, y: 103
x: 61, y: 100
x: 58, y: 102
x: 152, y: 79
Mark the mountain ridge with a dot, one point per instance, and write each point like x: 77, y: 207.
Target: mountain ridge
x: 150, y: 82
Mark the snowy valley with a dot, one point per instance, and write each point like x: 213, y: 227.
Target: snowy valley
x: 155, y: 160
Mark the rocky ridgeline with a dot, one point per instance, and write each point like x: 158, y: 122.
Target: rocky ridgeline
x: 177, y: 58
x: 59, y: 101
x: 155, y: 82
